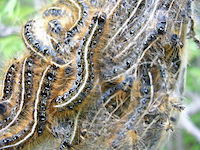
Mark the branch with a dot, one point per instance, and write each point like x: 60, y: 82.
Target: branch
x: 193, y: 107
x: 187, y: 124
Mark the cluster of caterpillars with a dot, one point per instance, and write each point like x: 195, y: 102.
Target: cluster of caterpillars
x: 89, y: 56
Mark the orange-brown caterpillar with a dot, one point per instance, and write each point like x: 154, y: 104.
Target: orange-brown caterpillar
x: 47, y: 69
x: 99, y: 74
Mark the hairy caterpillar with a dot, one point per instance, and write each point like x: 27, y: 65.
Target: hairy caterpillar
x: 99, y: 71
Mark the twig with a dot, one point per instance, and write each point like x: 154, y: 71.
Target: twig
x: 187, y: 124
x: 193, y: 107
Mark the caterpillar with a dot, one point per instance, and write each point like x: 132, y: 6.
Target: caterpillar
x: 99, y: 71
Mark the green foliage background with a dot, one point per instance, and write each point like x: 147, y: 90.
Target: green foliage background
x: 14, y: 13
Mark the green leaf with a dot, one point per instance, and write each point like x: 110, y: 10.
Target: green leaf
x: 11, y: 46
x: 193, y: 79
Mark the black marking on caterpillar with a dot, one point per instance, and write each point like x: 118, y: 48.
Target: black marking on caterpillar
x: 175, y: 41
x: 14, y: 111
x: 130, y: 124
x: 64, y: 145
x: 55, y: 26
x: 143, y: 104
x: 27, y: 87
x: 56, y: 12
x: 176, y: 63
x: 150, y: 39
x: 145, y: 80
x: 160, y: 30
x: 29, y: 78
x: 36, y: 45
x: 69, y: 127
x: 3, y: 109
x: 9, y: 81
x: 80, y: 66
x: 127, y: 82
x: 161, y: 24
x: 84, y: 13
x: 90, y: 81
x: 84, y: 66
x: 45, y: 94
x: 9, y: 140
x: 18, y: 139
x: 64, y: 130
